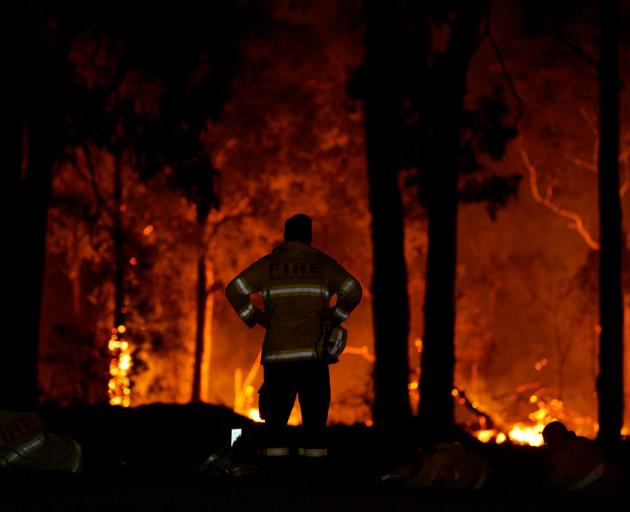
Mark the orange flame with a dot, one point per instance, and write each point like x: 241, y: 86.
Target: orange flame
x: 245, y: 396
x: 119, y: 385
x: 526, y: 433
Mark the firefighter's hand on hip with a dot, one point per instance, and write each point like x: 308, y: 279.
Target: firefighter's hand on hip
x: 329, y: 318
x: 261, y: 318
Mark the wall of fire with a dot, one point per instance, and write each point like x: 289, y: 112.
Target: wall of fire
x: 291, y: 141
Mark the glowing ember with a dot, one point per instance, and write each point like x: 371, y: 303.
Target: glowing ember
x: 254, y: 414
x: 527, y: 434
x: 523, y: 433
x: 539, y: 365
x: 485, y: 436
x: 295, y: 419
x: 119, y: 385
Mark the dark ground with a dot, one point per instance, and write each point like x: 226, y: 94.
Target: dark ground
x: 144, y: 459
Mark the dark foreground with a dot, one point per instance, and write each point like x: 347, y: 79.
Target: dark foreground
x: 174, y: 492
x: 144, y: 459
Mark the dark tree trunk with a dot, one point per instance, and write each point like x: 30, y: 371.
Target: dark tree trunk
x: 610, y: 382
x: 202, y: 297
x: 13, y: 227
x: 33, y: 117
x: 27, y: 272
x: 436, y: 411
x: 119, y: 249
x: 383, y: 107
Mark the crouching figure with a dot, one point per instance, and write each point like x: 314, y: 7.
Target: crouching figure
x: 574, y: 463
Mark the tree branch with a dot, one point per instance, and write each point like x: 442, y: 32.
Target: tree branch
x: 591, y: 119
x: 72, y: 159
x: 100, y: 204
x: 576, y: 48
x: 363, y: 351
x: 217, y: 218
x: 576, y: 221
x: 487, y: 33
x: 589, y: 166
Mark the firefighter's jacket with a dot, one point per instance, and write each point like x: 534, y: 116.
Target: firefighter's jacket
x: 297, y: 282
x: 24, y: 444
x: 575, y: 465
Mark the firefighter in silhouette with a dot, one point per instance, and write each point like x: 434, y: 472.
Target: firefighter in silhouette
x: 573, y: 462
x: 303, y: 334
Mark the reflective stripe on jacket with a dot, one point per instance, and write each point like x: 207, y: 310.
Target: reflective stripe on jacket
x: 297, y: 282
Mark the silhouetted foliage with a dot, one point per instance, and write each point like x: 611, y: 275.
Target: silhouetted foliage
x: 141, y: 81
x: 493, y: 191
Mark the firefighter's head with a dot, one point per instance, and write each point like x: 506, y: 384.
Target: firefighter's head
x: 555, y: 434
x: 298, y: 228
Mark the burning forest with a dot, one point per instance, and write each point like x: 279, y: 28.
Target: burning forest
x: 454, y: 158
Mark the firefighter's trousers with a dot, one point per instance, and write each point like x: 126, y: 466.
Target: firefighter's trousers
x: 310, y: 382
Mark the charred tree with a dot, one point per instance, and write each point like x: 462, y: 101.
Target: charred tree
x: 118, y: 246
x: 163, y: 135
x: 383, y: 110
x: 197, y: 183
x: 34, y: 197
x: 35, y: 118
x: 179, y: 145
x: 202, y: 300
x: 610, y: 380
x: 15, y: 347
x: 184, y: 119
x: 436, y: 410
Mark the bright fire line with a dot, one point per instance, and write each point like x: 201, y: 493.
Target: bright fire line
x: 119, y: 385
